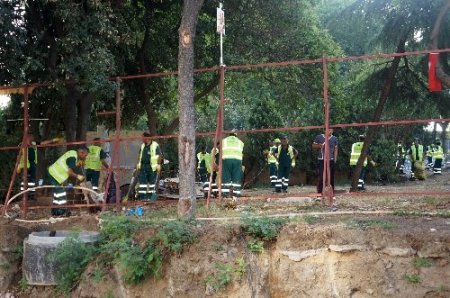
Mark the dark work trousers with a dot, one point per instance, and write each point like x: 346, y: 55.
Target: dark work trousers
x: 273, y: 173
x: 320, y: 178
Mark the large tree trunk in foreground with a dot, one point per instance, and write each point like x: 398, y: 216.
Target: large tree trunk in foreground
x: 186, y: 139
x: 377, y: 114
x: 440, y: 73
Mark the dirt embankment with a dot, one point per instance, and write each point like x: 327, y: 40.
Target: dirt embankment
x: 342, y: 257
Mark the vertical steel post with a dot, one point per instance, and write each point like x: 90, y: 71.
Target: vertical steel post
x: 25, y: 150
x: 220, y: 126
x: 117, y: 145
x: 326, y: 193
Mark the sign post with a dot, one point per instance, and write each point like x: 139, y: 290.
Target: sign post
x: 221, y: 29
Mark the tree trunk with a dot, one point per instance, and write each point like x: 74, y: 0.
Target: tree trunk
x: 377, y: 114
x: 84, y: 106
x: 70, y: 113
x: 440, y: 72
x: 186, y: 139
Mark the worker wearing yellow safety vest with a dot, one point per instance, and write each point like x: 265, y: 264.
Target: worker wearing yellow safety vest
x: 215, y: 168
x: 286, y: 156
x: 148, y: 166
x: 94, y: 162
x: 438, y: 155
x: 354, y: 156
x: 232, y: 154
x: 272, y: 161
x: 68, y: 165
x: 32, y: 161
x: 204, y: 167
x: 417, y: 154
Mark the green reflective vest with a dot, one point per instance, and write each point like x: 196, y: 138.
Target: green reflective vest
x: 438, y: 152
x: 271, y: 158
x: 232, y: 148
x: 60, y: 170
x: 356, y: 152
x: 93, y: 161
x: 290, y: 152
x: 21, y: 162
x: 153, y: 156
x: 417, y: 155
x: 207, y: 158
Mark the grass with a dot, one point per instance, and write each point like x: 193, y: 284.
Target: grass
x: 312, y: 219
x: 422, y: 262
x: 412, y: 278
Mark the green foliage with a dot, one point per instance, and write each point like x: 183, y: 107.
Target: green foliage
x: 255, y: 246
x: 70, y: 259
x: 23, y: 283
x: 226, y: 273
x: 264, y: 228
x: 138, y: 262
x: 412, y: 278
x: 222, y: 277
x: 175, y: 234
x: 312, y: 219
x: 422, y: 262
x: 240, y: 269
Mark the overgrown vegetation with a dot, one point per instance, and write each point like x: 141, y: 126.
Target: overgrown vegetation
x: 264, y: 228
x: 71, y: 258
x: 225, y: 273
x: 422, y: 262
x: 255, y: 246
x: 136, y: 261
x: 412, y: 278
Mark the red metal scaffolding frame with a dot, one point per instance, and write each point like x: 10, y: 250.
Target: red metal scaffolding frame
x: 219, y: 132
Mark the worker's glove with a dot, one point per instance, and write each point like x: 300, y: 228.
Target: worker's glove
x: 19, y: 170
x: 57, y: 140
x: 158, y: 168
x: 80, y: 178
x: 138, y: 167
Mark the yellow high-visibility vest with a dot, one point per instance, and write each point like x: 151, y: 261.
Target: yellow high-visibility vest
x: 93, y: 161
x: 153, y: 156
x: 232, y: 148
x: 60, y: 170
x: 21, y: 162
x: 290, y: 152
x: 356, y: 152
x: 207, y: 158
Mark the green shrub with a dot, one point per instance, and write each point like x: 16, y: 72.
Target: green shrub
x: 263, y: 228
x: 175, y: 234
x: 222, y: 277
x: 255, y: 246
x: 422, y: 262
x: 70, y: 259
x: 412, y: 278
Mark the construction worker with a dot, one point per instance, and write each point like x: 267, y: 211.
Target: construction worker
x: 269, y: 155
x: 32, y: 161
x: 65, y: 167
x: 148, y: 165
x: 204, y: 167
x: 94, y: 161
x: 215, y: 168
x: 232, y: 149
x: 429, y: 156
x: 319, y: 143
x: 286, y: 156
x: 438, y: 155
x: 399, y: 165
x: 417, y: 154
x: 354, y: 156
